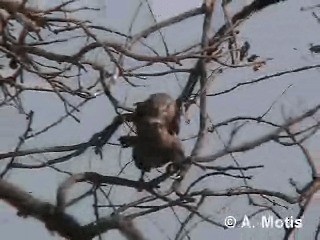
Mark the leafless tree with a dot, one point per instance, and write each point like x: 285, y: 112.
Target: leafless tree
x: 33, y: 63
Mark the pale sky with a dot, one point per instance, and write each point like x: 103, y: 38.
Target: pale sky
x: 273, y: 33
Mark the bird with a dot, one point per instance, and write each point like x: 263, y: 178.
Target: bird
x: 160, y: 105
x: 157, y: 122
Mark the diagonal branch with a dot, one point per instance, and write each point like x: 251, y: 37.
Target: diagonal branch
x: 60, y: 222
x: 259, y: 141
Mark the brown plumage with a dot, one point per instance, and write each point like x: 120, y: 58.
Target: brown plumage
x: 160, y: 106
x: 156, y: 150
x: 157, y: 121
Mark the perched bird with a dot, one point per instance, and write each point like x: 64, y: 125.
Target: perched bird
x: 157, y: 121
x: 161, y: 106
x: 154, y: 149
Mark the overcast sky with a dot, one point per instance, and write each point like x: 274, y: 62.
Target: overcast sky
x: 281, y: 32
